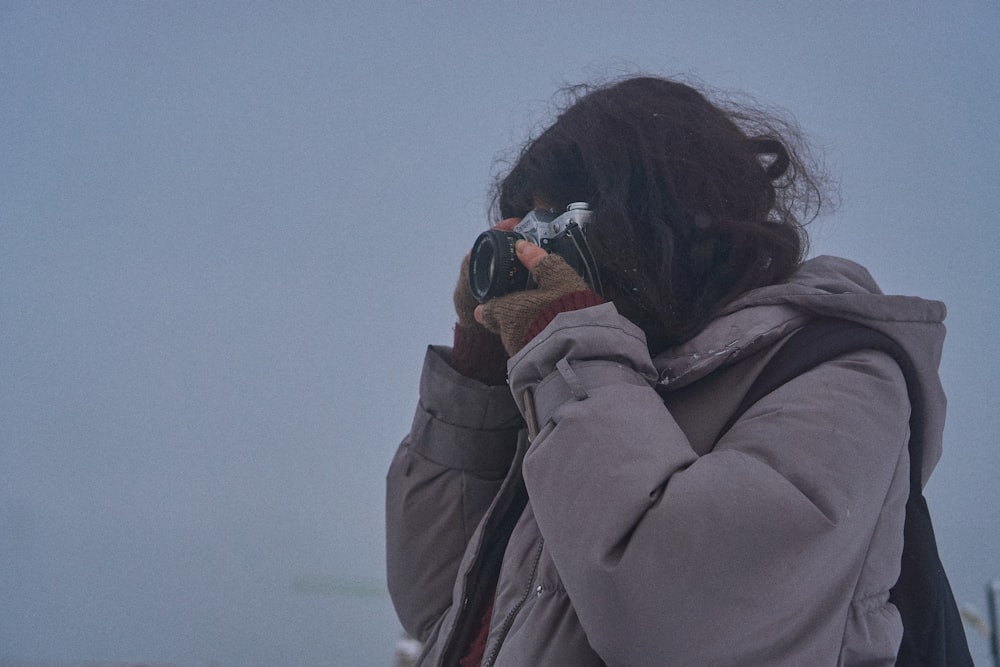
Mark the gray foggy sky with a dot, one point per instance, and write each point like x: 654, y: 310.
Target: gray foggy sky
x: 228, y: 231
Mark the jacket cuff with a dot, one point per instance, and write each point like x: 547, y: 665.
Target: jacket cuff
x: 565, y: 303
x: 480, y: 355
x: 461, y: 423
x: 577, y: 351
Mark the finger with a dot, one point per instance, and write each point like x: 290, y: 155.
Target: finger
x: 507, y: 224
x: 529, y: 254
x: 486, y: 317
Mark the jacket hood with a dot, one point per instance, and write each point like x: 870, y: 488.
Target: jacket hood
x: 822, y: 287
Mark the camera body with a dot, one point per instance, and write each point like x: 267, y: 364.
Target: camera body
x: 494, y: 269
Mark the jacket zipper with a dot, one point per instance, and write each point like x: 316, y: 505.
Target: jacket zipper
x: 503, y: 518
x: 508, y: 621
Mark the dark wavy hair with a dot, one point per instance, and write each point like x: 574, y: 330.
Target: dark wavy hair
x: 694, y: 202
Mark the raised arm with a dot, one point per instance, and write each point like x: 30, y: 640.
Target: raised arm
x: 743, y: 551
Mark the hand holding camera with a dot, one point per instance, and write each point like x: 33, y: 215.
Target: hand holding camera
x: 494, y: 269
x: 463, y: 298
x: 477, y: 352
x: 525, y: 274
x: 517, y: 317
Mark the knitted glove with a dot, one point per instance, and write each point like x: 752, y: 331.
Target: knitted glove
x: 519, y: 316
x: 477, y: 353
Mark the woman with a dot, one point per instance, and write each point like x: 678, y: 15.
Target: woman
x: 623, y: 530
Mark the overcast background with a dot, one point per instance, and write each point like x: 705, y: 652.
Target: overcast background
x: 228, y: 231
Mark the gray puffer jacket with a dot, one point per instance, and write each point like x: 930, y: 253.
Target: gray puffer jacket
x: 645, y: 541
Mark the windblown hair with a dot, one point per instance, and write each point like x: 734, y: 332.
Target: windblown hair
x: 694, y: 202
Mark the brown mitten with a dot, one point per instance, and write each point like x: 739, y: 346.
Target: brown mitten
x: 514, y: 316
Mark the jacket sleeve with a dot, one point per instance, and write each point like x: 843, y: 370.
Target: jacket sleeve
x: 752, y: 550
x: 440, y: 483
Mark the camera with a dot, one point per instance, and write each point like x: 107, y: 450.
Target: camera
x: 494, y: 269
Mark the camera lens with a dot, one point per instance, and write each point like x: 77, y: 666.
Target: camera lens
x: 494, y: 269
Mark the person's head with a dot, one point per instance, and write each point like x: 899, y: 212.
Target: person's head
x: 694, y: 203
